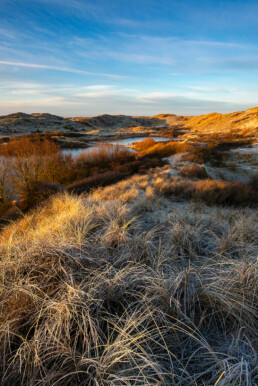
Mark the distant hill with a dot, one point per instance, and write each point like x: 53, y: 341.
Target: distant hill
x: 240, y: 122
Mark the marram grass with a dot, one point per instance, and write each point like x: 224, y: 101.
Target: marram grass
x: 124, y: 286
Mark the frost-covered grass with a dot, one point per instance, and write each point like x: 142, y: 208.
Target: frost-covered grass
x: 126, y: 286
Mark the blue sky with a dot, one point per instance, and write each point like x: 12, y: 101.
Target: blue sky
x: 140, y: 57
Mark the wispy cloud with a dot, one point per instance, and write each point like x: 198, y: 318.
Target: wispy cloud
x: 26, y: 92
x: 122, y: 104
x: 7, y: 33
x: 157, y: 96
x: 211, y: 89
x: 98, y: 87
x: 103, y: 91
x: 58, y: 68
x: 140, y: 58
x: 16, y: 84
x: 164, y: 40
x: 180, y: 54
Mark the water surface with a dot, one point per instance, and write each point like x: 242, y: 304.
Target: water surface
x: 123, y: 142
x: 130, y: 141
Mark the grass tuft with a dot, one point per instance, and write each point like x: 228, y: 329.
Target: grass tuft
x: 126, y: 286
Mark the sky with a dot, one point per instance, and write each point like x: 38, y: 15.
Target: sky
x: 137, y: 57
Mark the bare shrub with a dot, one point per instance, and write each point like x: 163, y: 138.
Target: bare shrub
x: 103, y: 154
x: 34, y: 161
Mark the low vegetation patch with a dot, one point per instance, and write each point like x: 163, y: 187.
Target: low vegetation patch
x: 98, y: 179
x: 104, y: 154
x: 4, y: 207
x: 114, y: 272
x: 25, y: 162
x: 212, y: 192
x: 193, y: 172
x: 254, y: 182
x: 144, y: 144
x: 119, y: 287
x: 161, y: 149
x: 224, y: 193
x: 211, y: 152
x: 30, y: 170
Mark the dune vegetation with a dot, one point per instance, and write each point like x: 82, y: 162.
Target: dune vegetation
x: 127, y: 286
x: 151, y: 280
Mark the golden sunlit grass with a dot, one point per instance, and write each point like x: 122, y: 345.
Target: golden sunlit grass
x: 144, y: 144
x: 148, y: 147
x: 212, y: 192
x: 125, y: 286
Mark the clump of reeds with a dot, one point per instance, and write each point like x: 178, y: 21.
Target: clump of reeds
x: 103, y: 154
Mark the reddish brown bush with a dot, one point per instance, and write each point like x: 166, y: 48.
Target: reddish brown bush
x: 254, y: 182
x: 12, y: 213
x: 193, y: 172
x: 38, y: 192
x: 34, y: 161
x: 221, y: 192
x: 198, y: 155
x: 108, y: 157
x: 129, y: 167
x: 212, y: 192
x: 145, y: 144
x: 104, y: 155
x: 162, y: 149
x: 4, y: 207
x: 100, y: 179
x: 142, y: 163
x: 167, y: 132
x: 27, y: 147
x: 203, y: 154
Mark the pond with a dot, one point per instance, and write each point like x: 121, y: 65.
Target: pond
x: 130, y: 141
x: 122, y: 142
x: 75, y: 152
